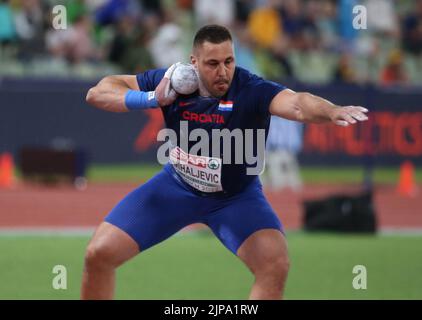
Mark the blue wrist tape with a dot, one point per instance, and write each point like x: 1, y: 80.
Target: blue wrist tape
x: 136, y: 100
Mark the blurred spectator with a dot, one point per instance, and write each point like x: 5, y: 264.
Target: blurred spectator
x: 327, y: 25
x: 283, y: 144
x: 81, y: 45
x: 348, y: 33
x: 29, y: 22
x: 123, y: 38
x: 299, y: 24
x: 412, y: 30
x: 166, y: 47
x: 74, y: 44
x: 138, y: 59
x: 264, y: 24
x: 75, y: 9
x: 278, y: 39
x: 153, y: 6
x: 93, y: 5
x: 7, y: 26
x: 184, y: 4
x: 393, y: 73
x: 113, y: 10
x: 151, y: 23
x: 129, y: 47
x: 243, y: 45
x: 313, y: 10
x: 383, y: 30
x: 382, y: 17
x: 243, y: 9
x: 279, y: 52
x: 344, y: 72
x: 215, y: 11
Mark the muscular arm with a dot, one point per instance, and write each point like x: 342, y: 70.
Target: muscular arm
x: 109, y: 93
x: 305, y: 107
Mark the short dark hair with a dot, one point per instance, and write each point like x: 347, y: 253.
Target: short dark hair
x: 211, y: 33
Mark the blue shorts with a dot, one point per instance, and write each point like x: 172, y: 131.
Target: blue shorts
x: 164, y: 205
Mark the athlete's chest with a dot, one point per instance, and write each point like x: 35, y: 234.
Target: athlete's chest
x: 204, y: 112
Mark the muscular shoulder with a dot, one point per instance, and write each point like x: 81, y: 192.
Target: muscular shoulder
x: 244, y: 78
x: 252, y: 81
x: 256, y: 91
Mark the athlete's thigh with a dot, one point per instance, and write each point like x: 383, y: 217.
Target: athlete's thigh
x: 154, y: 211
x: 242, y: 216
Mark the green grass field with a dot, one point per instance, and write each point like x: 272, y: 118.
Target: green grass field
x: 142, y: 172
x: 135, y: 173
x: 197, y: 266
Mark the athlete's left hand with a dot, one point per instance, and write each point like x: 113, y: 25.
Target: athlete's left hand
x: 343, y: 116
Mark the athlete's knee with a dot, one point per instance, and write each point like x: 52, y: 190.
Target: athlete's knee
x: 274, y: 268
x: 100, y: 256
x: 283, y: 266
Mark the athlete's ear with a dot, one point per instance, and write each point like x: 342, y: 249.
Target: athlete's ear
x: 193, y: 59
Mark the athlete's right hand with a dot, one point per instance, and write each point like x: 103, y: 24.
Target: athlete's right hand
x: 164, y: 93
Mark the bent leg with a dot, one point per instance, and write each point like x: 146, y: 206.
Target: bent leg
x: 248, y: 226
x: 109, y: 248
x: 146, y: 216
x: 265, y: 254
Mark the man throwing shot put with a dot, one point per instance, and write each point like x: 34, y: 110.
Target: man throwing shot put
x: 204, y: 187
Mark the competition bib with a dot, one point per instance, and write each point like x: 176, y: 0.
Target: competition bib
x: 202, y: 173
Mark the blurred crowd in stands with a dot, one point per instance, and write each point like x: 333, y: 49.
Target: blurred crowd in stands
x: 298, y: 40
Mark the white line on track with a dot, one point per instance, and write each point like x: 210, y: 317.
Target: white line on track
x: 88, y: 231
x: 401, y: 231
x: 46, y: 231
